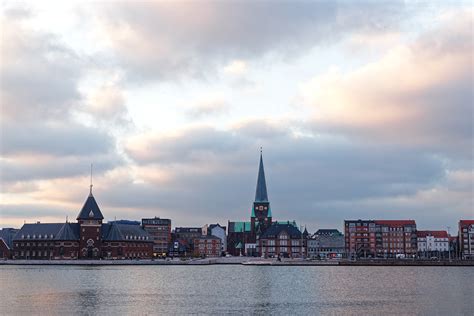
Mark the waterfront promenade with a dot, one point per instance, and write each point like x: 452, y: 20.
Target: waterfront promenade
x: 245, y: 261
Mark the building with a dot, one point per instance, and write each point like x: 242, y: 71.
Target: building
x: 89, y: 238
x: 466, y: 239
x: 160, y: 231
x: 6, y: 242
x: 218, y: 231
x: 395, y: 238
x: 186, y: 236
x: 359, y: 238
x: 326, y: 243
x: 242, y: 236
x: 282, y: 240
x: 207, y: 246
x: 380, y: 238
x: 433, y: 243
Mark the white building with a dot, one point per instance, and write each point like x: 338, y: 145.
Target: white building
x: 218, y: 231
x: 431, y: 242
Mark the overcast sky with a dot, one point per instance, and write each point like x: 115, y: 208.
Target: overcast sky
x: 363, y: 109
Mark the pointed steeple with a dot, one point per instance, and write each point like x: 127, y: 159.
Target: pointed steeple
x: 261, y: 191
x: 90, y: 210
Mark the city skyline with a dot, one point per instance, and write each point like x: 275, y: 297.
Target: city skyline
x: 363, y: 110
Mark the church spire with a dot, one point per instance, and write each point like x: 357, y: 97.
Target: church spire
x: 261, y: 191
x: 91, y: 183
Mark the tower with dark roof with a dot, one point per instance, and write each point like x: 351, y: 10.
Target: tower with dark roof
x: 261, y: 217
x: 90, y: 221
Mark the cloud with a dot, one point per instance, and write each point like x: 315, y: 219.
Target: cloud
x: 209, y: 106
x: 172, y: 40
x: 236, y: 68
x: 216, y: 172
x: 40, y: 135
x: 419, y: 94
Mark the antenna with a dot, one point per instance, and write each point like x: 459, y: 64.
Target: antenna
x: 66, y: 218
x: 91, y: 180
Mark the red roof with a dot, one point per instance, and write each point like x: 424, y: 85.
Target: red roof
x: 434, y: 233
x: 396, y: 223
x: 466, y: 222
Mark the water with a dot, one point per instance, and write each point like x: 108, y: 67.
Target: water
x: 224, y: 289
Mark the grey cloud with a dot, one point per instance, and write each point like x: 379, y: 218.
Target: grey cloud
x: 40, y: 137
x: 54, y: 139
x: 192, y: 38
x: 306, y: 177
x: 13, y: 171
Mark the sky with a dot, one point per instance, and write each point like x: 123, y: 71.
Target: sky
x: 364, y: 109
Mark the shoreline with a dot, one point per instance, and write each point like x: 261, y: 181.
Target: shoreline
x: 240, y: 261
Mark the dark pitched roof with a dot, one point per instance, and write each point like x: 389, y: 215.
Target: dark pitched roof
x: 46, y: 231
x: 7, y: 234
x: 212, y: 226
x: 114, y: 233
x: 67, y: 232
x: 276, y: 228
x: 261, y: 191
x: 90, y: 210
x: 124, y: 232
x: 327, y: 232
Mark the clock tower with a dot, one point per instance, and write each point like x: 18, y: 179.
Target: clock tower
x: 261, y: 217
x: 90, y: 223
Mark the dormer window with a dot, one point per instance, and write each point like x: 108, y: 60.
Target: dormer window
x: 28, y: 236
x: 34, y: 236
x: 22, y: 236
x: 51, y: 236
x: 91, y: 214
x: 39, y: 236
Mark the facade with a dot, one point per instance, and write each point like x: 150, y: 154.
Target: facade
x: 395, y: 238
x: 217, y: 231
x: 207, y: 246
x: 433, y: 243
x: 380, y: 238
x: 326, y: 243
x: 186, y: 236
x: 6, y: 242
x: 282, y: 240
x: 466, y: 239
x: 89, y: 238
x: 359, y: 238
x: 241, y: 234
x: 160, y: 231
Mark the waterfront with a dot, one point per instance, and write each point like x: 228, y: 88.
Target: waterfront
x: 236, y: 289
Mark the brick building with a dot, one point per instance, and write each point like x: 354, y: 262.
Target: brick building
x: 186, y: 236
x: 395, y: 237
x: 218, y: 231
x: 283, y: 240
x: 160, y: 231
x: 89, y: 238
x: 207, y: 246
x: 466, y: 239
x: 380, y: 238
x: 6, y: 242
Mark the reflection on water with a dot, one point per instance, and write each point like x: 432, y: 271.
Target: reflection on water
x: 236, y: 290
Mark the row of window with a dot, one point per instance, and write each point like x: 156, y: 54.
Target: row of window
x: 40, y: 236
